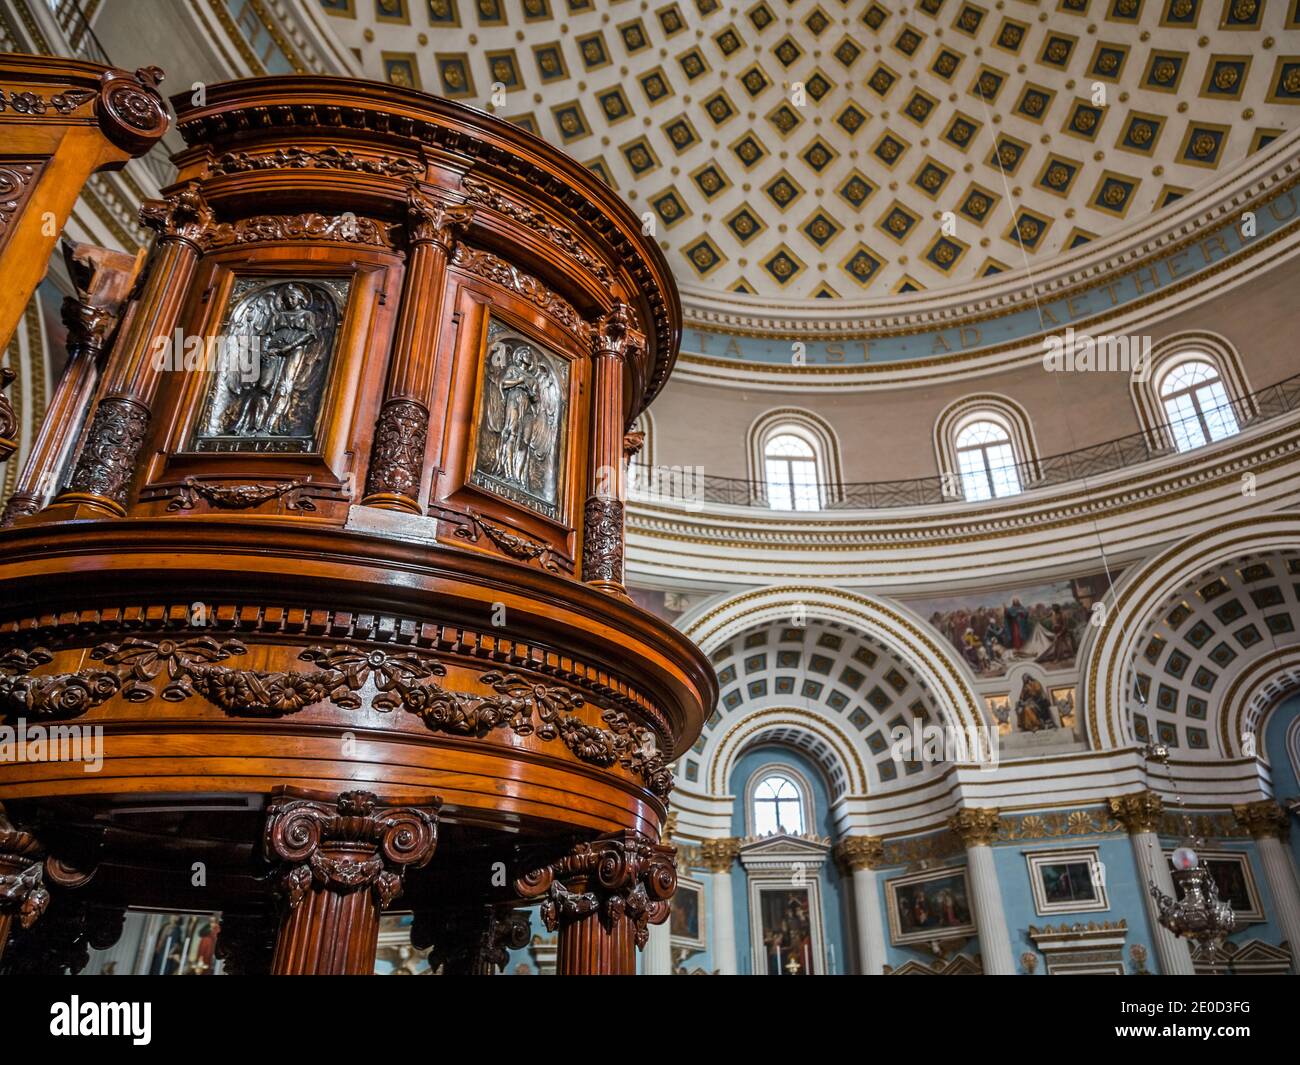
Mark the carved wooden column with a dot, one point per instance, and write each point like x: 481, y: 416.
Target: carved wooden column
x: 341, y: 863
x: 602, y: 537
x: 396, y: 474
x: 602, y: 896
x: 1141, y: 813
x: 1269, y: 824
x: 103, y: 279
x: 861, y: 855
x: 977, y: 829
x: 22, y: 885
x: 111, y: 445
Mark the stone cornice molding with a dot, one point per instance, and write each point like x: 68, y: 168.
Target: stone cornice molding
x: 1255, y: 178
x: 1135, y: 510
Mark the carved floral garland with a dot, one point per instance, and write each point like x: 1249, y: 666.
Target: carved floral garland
x: 192, y: 667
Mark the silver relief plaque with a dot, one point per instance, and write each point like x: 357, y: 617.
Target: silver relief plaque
x: 522, y: 418
x: 271, y: 364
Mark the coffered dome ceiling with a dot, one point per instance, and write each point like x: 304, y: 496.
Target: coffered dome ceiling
x: 810, y: 148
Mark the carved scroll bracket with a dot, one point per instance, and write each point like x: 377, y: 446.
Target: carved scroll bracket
x: 516, y: 545
x: 240, y: 496
x: 625, y: 875
x: 8, y: 419
x: 22, y: 885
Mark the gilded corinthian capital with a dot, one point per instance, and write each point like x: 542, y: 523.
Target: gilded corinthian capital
x: 719, y: 854
x: 1265, y: 819
x: 860, y: 852
x: 1140, y: 811
x: 976, y: 827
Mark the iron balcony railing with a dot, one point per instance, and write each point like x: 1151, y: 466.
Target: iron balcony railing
x: 691, y: 484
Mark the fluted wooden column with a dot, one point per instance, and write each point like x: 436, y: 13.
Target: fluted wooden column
x: 103, y: 279
x: 110, y: 448
x: 341, y: 864
x: 977, y: 829
x: 1141, y: 812
x: 602, y: 897
x: 396, y: 472
x: 1269, y: 825
x: 861, y: 855
x: 602, y: 539
x: 23, y: 896
x: 719, y: 856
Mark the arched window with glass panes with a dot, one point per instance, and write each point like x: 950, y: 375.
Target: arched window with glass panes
x: 778, y: 805
x: 986, y: 461
x: 790, y: 472
x: 1196, y: 404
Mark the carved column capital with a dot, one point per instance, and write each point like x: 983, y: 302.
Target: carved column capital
x: 860, y: 852
x: 719, y: 855
x: 1139, y: 811
x: 347, y: 844
x: 616, y: 335
x: 434, y: 221
x: 22, y: 883
x: 184, y: 216
x: 1265, y: 819
x: 470, y: 940
x: 625, y: 875
x: 976, y: 827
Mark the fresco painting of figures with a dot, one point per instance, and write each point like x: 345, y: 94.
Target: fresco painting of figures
x: 994, y: 631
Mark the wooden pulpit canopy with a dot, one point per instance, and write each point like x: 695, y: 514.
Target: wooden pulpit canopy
x: 346, y: 507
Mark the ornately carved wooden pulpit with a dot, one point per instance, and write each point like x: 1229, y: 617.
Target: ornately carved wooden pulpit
x: 336, y: 559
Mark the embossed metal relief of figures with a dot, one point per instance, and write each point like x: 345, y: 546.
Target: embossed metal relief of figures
x: 523, y: 411
x: 272, y: 363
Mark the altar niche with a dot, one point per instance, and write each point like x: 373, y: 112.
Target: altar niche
x: 278, y: 341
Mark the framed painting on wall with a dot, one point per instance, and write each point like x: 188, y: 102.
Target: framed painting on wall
x: 686, y: 919
x: 1234, y: 879
x: 1067, y: 881
x: 931, y: 905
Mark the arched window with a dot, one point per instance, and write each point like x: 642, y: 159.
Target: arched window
x: 986, y: 448
x: 794, y: 460
x: 1191, y: 391
x: 778, y: 806
x: 986, y: 461
x: 1196, y: 404
x: 790, y: 473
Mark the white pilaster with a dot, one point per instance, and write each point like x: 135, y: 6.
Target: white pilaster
x: 659, y: 951
x: 1140, y: 813
x: 977, y: 828
x: 1269, y: 823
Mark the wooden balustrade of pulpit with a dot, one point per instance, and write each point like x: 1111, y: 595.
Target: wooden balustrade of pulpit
x: 330, y: 555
